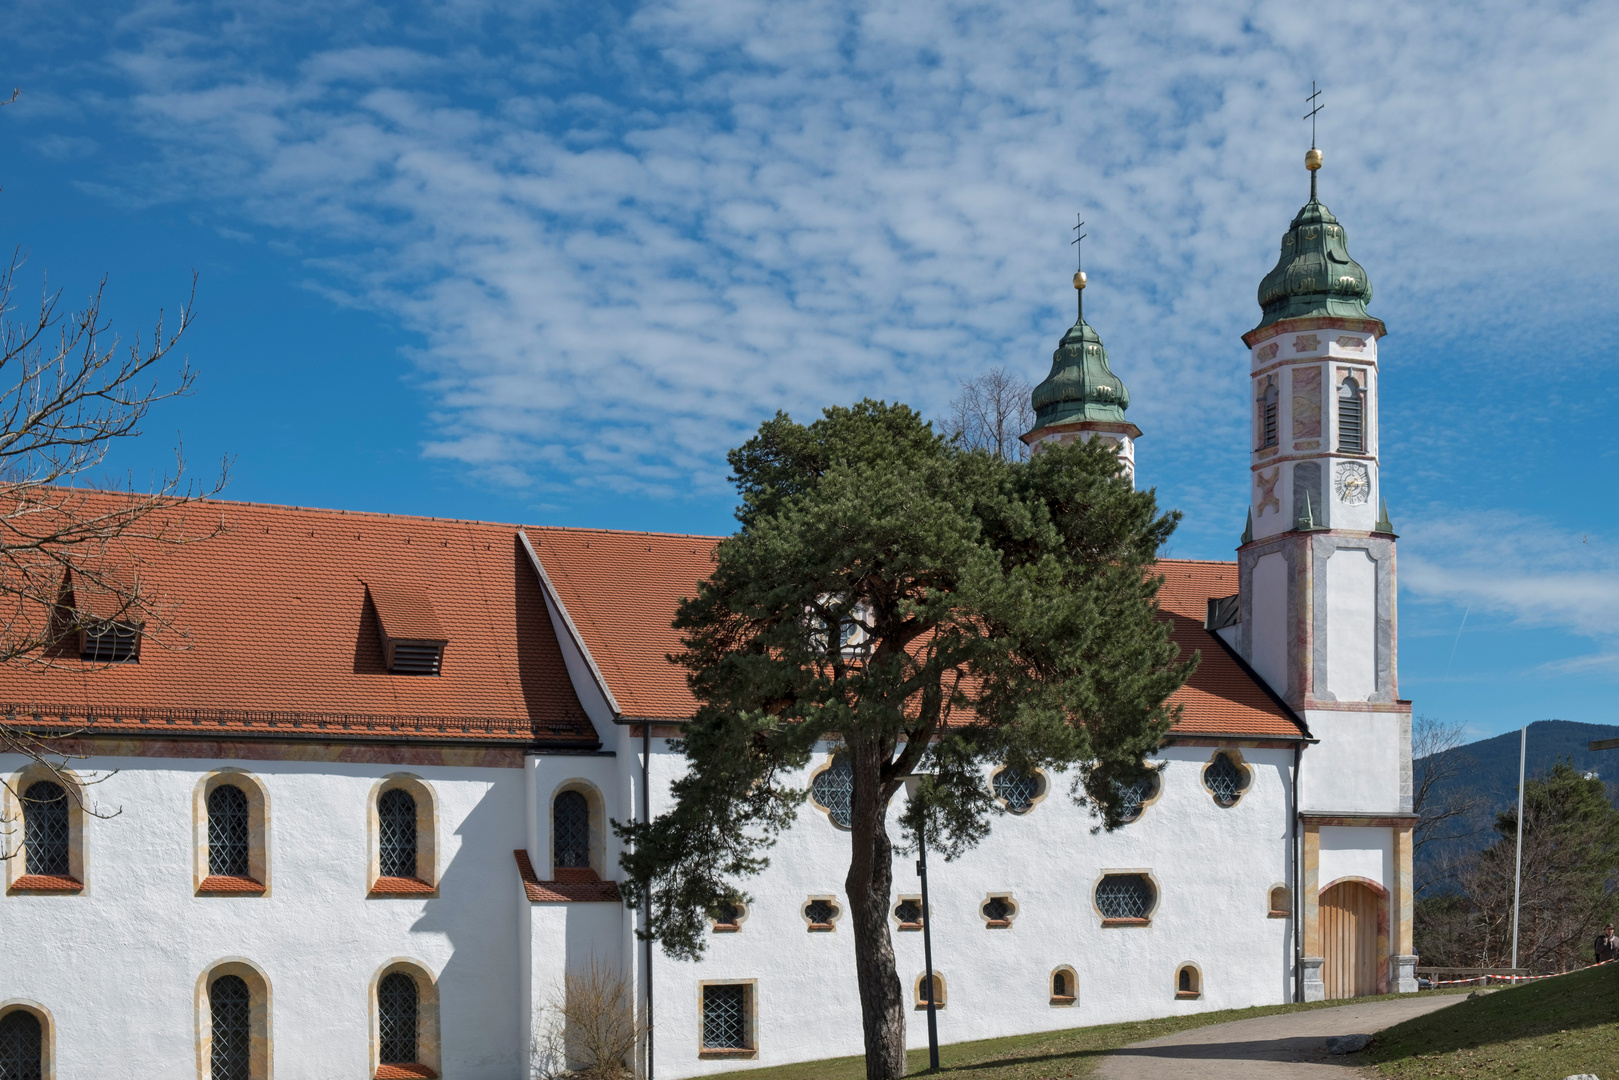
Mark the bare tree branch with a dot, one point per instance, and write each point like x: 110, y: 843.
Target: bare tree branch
x: 990, y: 412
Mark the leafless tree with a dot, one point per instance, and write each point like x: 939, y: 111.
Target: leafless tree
x: 73, y: 584
x: 1447, y: 809
x: 990, y: 412
x: 588, y: 1029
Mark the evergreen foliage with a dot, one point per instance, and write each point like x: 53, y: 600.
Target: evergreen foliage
x: 932, y: 610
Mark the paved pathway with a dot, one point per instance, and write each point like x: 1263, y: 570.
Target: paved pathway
x: 1289, y: 1046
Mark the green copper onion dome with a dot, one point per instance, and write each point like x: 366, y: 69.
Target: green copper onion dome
x: 1314, y: 275
x: 1081, y: 386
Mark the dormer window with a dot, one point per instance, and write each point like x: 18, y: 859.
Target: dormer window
x: 110, y: 642
x: 101, y: 602
x: 412, y: 640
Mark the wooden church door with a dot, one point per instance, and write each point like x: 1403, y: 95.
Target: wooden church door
x: 1349, y: 936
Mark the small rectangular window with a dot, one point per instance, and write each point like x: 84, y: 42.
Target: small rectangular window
x: 110, y: 643
x: 725, y: 1016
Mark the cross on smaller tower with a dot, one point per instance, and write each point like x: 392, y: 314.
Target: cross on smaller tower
x: 1310, y: 116
x: 1079, y: 264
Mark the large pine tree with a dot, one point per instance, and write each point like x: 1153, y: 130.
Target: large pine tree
x: 931, y: 611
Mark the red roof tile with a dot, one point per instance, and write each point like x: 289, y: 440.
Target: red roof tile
x: 282, y: 641
x: 230, y: 884
x: 574, y: 890
x: 405, y: 1072
x: 47, y: 883
x: 621, y: 589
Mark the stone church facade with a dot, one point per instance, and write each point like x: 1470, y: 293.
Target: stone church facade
x: 357, y: 822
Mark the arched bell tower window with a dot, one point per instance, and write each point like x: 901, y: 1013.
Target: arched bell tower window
x: 571, y: 838
x: 1265, y: 415
x: 1351, y: 416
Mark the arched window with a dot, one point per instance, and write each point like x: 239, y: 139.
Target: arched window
x: 228, y: 834
x: 728, y: 915
x: 45, y: 829
x: 1017, y: 789
x: 939, y: 991
x: 230, y: 1007
x: 570, y: 823
x: 397, y: 1012
x: 1188, y: 982
x: 1125, y: 899
x: 1351, y: 416
x: 1225, y: 779
x: 22, y: 1046
x: 396, y: 834
x: 1134, y: 796
x: 1064, y: 986
x: 1265, y: 409
x: 833, y: 789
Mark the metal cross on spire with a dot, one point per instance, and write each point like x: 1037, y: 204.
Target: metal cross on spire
x: 1315, y: 108
x: 1079, y: 264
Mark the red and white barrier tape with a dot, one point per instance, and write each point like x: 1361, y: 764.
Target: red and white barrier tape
x: 1510, y: 978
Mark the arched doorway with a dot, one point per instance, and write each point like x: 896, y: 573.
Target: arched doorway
x: 1352, y: 939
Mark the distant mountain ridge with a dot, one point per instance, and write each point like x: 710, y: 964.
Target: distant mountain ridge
x: 1490, y: 768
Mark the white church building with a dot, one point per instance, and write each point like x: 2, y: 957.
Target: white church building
x: 359, y: 825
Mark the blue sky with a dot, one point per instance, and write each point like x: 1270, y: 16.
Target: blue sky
x: 546, y: 262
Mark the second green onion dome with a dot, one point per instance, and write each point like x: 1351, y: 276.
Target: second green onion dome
x: 1081, y: 386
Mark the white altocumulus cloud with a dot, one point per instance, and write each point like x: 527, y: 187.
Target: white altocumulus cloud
x: 623, y: 240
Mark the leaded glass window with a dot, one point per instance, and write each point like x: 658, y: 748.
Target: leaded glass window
x: 227, y: 831
x: 396, y: 1018
x: 1185, y: 986
x: 727, y: 914
x: 1059, y: 985
x: 45, y: 828
x: 1226, y: 779
x: 1134, y: 796
x: 725, y: 1023
x: 820, y: 912
x: 231, y: 1008
x: 909, y: 912
x: 396, y: 821
x: 1124, y: 896
x: 937, y: 995
x: 997, y: 909
x: 570, y: 818
x: 22, y: 1046
x: 833, y: 788
x: 1017, y: 789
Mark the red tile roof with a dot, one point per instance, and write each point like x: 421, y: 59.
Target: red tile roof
x: 620, y: 589
x: 282, y: 641
x: 592, y: 889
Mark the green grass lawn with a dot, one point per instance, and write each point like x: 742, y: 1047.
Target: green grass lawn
x: 1053, y: 1055
x: 1539, y: 1031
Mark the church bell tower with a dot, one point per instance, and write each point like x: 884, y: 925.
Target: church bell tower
x: 1081, y: 398
x: 1315, y: 610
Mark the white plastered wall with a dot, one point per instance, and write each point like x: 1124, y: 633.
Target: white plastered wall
x: 1214, y: 867
x: 118, y: 968
x: 1355, y: 851
x: 1356, y: 766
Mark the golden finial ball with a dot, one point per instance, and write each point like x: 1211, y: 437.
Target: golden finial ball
x: 1312, y: 159
x: 1079, y: 280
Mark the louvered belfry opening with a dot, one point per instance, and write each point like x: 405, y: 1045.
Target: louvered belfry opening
x: 413, y: 640
x: 1351, y: 417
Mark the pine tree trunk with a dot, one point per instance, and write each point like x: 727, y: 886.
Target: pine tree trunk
x: 870, y: 887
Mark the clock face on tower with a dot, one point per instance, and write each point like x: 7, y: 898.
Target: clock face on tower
x: 1353, y: 483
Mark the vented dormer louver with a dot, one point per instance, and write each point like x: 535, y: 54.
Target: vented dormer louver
x: 412, y: 640
x: 102, y: 604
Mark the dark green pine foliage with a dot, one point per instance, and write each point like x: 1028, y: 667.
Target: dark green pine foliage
x: 934, y: 611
